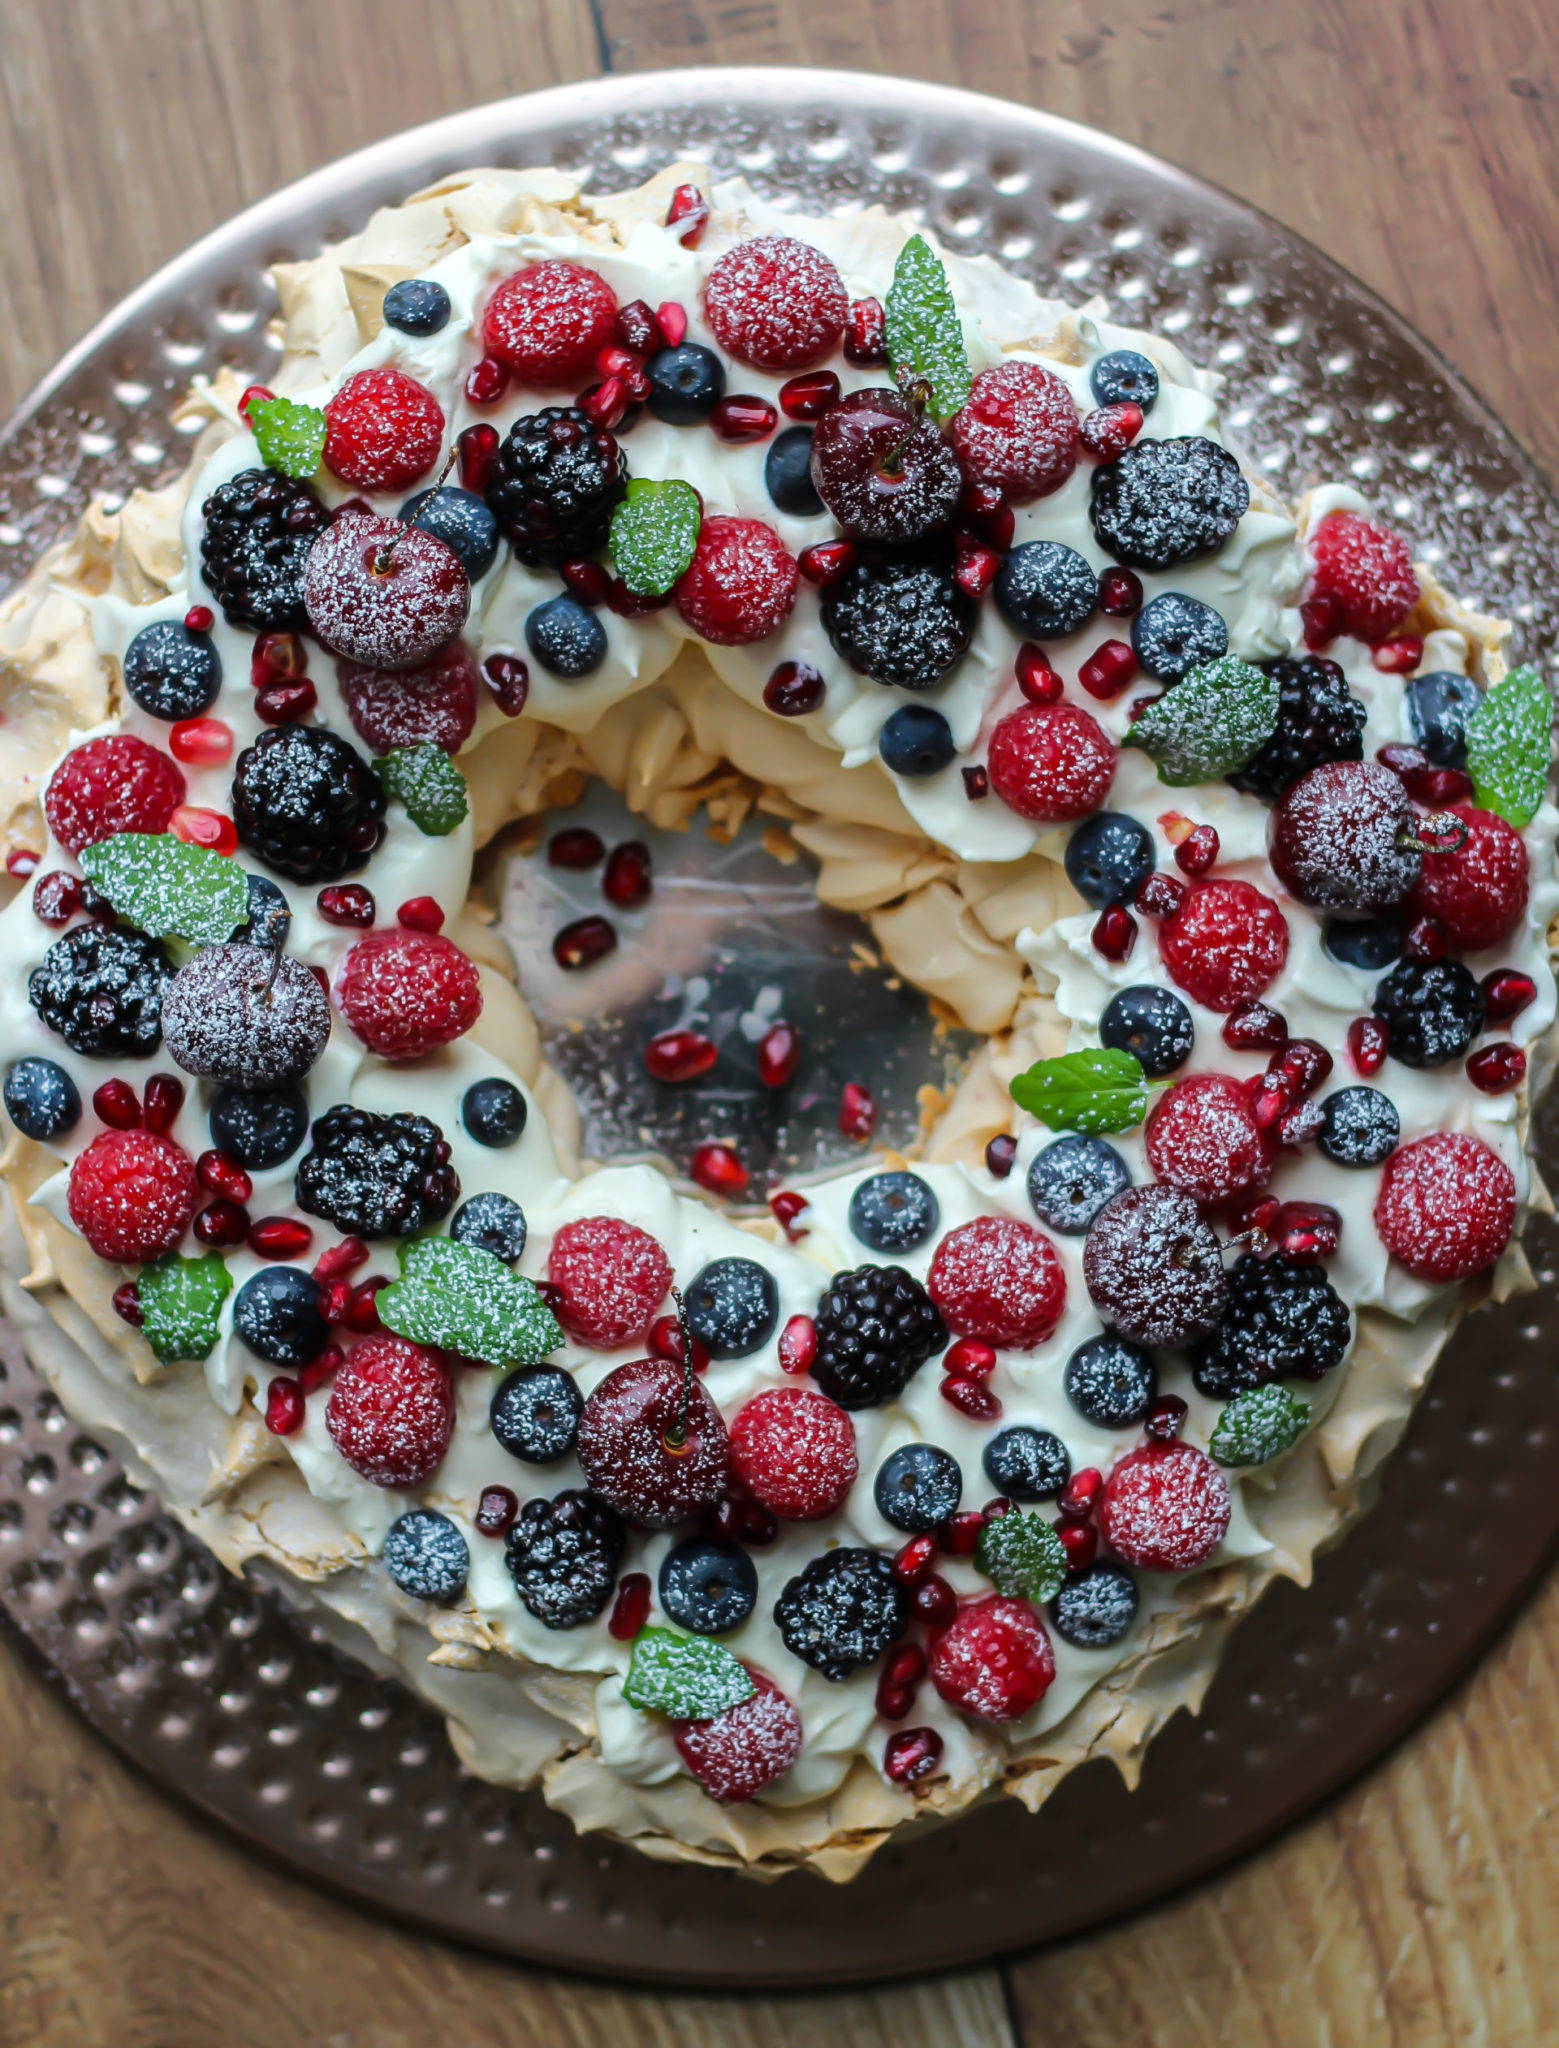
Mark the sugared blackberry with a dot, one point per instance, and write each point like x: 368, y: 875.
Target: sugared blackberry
x: 1432, y: 1011
x: 1319, y: 720
x: 1282, y: 1322
x: 901, y: 623
x: 259, y: 529
x: 307, y: 802
x: 876, y: 1327
x: 842, y: 1611
x: 101, y: 989
x: 376, y: 1176
x: 1165, y: 502
x: 556, y: 482
x: 563, y: 1556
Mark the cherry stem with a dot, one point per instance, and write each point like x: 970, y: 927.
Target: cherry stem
x: 386, y: 555
x: 916, y: 393
x: 278, y: 946
x: 1254, y: 1239
x: 675, y: 1435
x: 1446, y: 834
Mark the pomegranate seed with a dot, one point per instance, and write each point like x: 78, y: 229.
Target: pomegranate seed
x: 576, y: 847
x: 318, y: 1370
x: 1116, y: 933
x: 977, y: 569
x: 638, y: 329
x: 680, y: 1055
x: 286, y: 703
x: 335, y: 1299
x: 200, y: 618
x: 912, y: 1754
x: 496, y: 1510
x: 665, y: 1340
x: 977, y: 782
x: 1036, y: 678
x: 1269, y: 1103
x: 1109, y: 430
x: 785, y: 1207
x: 1402, y: 759
x: 631, y: 1608
x: 798, y: 1344
x: 127, y: 1303
x: 421, y: 914
x: 252, y: 392
x: 277, y: 658
x: 718, y: 1168
x: 221, y: 1224
x: 794, y: 689
x: 959, y: 1534
x: 201, y: 742
x: 689, y: 209
x: 604, y: 404
x: 197, y: 827
x: 1301, y: 1125
x: 1160, y: 895
x: 1107, y: 670
x: 1398, y: 657
x: 907, y: 1665
x: 340, y: 1259
x: 21, y: 861
x: 635, y: 604
x: 757, y: 1524
x: 1322, y: 619
x: 892, y: 1701
x: 487, y: 382
x: 1506, y: 994
x: 857, y: 1112
x: 1000, y: 1155
x: 1261, y: 1214
x: 1080, y: 1495
x: 969, y: 1359
x: 725, y: 1524
x: 1307, y: 1232
x: 164, y: 1100
x: 779, y: 1055
x: 1424, y: 940
x: 1305, y: 1061
x: 118, y: 1105
x: 1438, y: 787
x: 972, y: 1398
x: 1367, y: 1042
x: 1175, y: 826
x: 1166, y: 1418
x: 509, y: 680
x: 477, y: 448
x: 1198, y: 850
x: 914, y: 1561
x: 363, y: 1315
x: 284, y: 1406
x: 220, y: 1174
x: 825, y: 562
x: 1080, y: 1541
x: 935, y: 1602
x: 1253, y: 1027
x: 808, y: 397
x: 616, y: 361
x: 626, y: 882
x: 1120, y: 593
x: 583, y: 942
x: 588, y: 581
x: 672, y: 319
x: 866, y: 334
x: 346, y: 903
x: 1497, y: 1069
x: 743, y: 417
x: 280, y: 1237
x: 988, y: 509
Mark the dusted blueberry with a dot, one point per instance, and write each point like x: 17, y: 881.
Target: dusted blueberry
x: 171, y: 672
x: 710, y: 1588
x: 893, y: 1212
x: 1110, y: 1382
x: 277, y: 1315
x: 1108, y: 858
x: 1027, y: 1464
x: 686, y: 384
x: 787, y: 473
x: 493, y: 1112
x: 1175, y: 634
x: 916, y: 741
x: 732, y: 1307
x: 1095, y: 1608
x: 417, y: 305
x: 1432, y: 1011
x: 1071, y: 1180
x: 461, y: 520
x: 918, y: 1488
x: 493, y: 1223
x: 262, y: 1129
x: 535, y: 1414
x: 42, y: 1100
x: 1372, y: 943
x: 1046, y: 590
x: 1438, y: 708
x: 269, y: 919
x: 565, y: 638
x: 1359, y: 1127
x: 427, y: 1557
x: 1151, y: 1022
x: 1124, y: 377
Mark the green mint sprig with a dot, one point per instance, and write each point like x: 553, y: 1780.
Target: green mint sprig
x: 688, y: 1678
x: 1093, y: 1091
x: 463, y: 1299
x: 1215, y: 721
x: 654, y: 534
x: 167, y: 889
x: 1022, y: 1557
x: 290, y: 437
x: 1509, y: 738
x: 180, y: 1302
x: 1258, y: 1426
x: 428, y: 784
x: 925, y: 336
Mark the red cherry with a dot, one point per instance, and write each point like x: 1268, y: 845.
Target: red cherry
x: 639, y: 1455
x: 382, y: 594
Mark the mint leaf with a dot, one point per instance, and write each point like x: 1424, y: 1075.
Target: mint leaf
x: 1259, y: 1425
x: 464, y: 1299
x: 429, y: 784
x: 1084, y: 1091
x: 654, y: 533
x: 1508, y: 739
x: 1022, y: 1557
x: 290, y: 437
x: 687, y: 1677
x: 1215, y: 721
x: 924, y: 334
x: 180, y: 1301
x: 168, y: 889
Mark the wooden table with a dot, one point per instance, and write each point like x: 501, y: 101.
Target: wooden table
x: 1416, y: 140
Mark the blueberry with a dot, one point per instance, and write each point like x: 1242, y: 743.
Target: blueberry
x: 1110, y: 1382
x: 787, y: 472
x: 1373, y: 942
x: 1071, y: 1180
x: 1096, y: 1608
x: 535, y: 1414
x: 1438, y: 708
x: 493, y: 1223
x: 427, y: 1557
x: 171, y: 672
x: 1108, y: 858
x: 732, y: 1307
x: 565, y: 638
x: 1359, y: 1127
x: 260, y: 1129
x: 270, y: 916
x: 417, y: 305
x: 1151, y: 1022
x: 461, y: 520
x: 1175, y: 634
x: 916, y: 741
x: 493, y: 1112
x: 1027, y: 1464
x: 42, y: 1100
x: 710, y: 1588
x: 1046, y: 590
x: 1124, y: 378
x: 686, y: 384
x: 918, y: 1488
x: 893, y: 1212
x: 277, y: 1315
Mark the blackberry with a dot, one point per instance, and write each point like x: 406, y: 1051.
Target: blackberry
x: 842, y: 1611
x: 1165, y: 502
x: 563, y: 1556
x: 893, y: 1212
x: 101, y: 989
x: 1095, y: 1608
x: 1432, y: 1011
x: 918, y: 1488
x: 1071, y: 1180
x: 1359, y: 1127
x: 1319, y: 720
x: 876, y: 1327
x: 427, y: 1557
x: 308, y: 804
x: 556, y: 482
x: 1152, y: 1023
x: 1282, y: 1322
x: 732, y: 1307
x: 535, y: 1414
x: 1175, y: 634
x: 258, y: 532
x: 1026, y: 1463
x: 903, y: 623
x: 709, y: 1588
x: 376, y: 1176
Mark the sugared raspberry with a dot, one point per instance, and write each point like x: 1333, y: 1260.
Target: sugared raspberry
x: 775, y: 303
x: 132, y: 1195
x: 1447, y: 1206
x: 740, y: 584
x: 549, y: 323
x: 795, y: 1451
x: 1225, y: 944
x: 1165, y: 1508
x: 1018, y: 431
x: 403, y: 708
x: 404, y: 993
x: 1479, y: 892
x: 999, y: 1280
x: 653, y: 1447
x: 383, y: 430
x: 1366, y: 570
x: 735, y: 1755
x: 391, y: 1411
x: 1051, y: 762
x: 118, y: 784
x: 1204, y: 1138
x: 995, y: 1662
x: 611, y: 1277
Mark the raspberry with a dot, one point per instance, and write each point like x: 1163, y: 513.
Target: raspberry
x: 403, y: 708
x: 995, y: 1663
x: 1225, y: 944
x: 740, y: 584
x: 1203, y: 1137
x: 775, y: 303
x: 118, y: 784
x: 132, y: 1195
x: 383, y: 430
x: 1447, y: 1206
x: 1165, y: 1508
x: 1478, y: 893
x: 611, y: 1276
x: 639, y: 1456
x: 1051, y: 763
x: 735, y: 1755
x: 1366, y: 570
x: 999, y: 1280
x: 405, y: 992
x: 1018, y: 431
x: 391, y: 1411
x: 795, y: 1451
x: 548, y: 323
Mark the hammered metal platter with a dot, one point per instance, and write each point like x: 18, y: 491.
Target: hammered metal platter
x: 213, y: 1688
